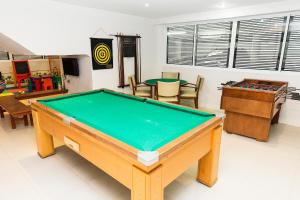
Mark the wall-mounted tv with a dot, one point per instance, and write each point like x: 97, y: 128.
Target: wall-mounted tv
x: 70, y: 66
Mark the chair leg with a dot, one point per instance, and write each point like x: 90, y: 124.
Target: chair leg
x: 196, y: 102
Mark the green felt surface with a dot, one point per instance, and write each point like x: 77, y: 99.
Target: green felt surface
x: 153, y: 82
x: 144, y: 124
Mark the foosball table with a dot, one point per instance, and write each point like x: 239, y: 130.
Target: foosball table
x: 251, y: 106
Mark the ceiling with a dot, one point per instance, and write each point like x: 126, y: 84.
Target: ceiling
x: 164, y: 8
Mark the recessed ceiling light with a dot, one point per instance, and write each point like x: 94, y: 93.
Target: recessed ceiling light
x: 147, y: 5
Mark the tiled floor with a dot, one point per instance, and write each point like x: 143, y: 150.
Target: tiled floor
x: 248, y: 170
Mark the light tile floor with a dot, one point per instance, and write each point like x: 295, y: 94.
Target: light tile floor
x: 248, y: 170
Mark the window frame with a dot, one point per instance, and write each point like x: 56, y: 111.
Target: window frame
x: 229, y: 43
x: 287, y: 43
x: 167, y: 49
x: 7, y: 55
x: 282, y: 43
x: 232, y: 52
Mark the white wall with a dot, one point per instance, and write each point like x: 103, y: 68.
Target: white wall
x: 210, y: 96
x: 46, y: 27
x: 276, y: 7
x: 83, y: 82
x: 9, y: 45
x: 50, y: 28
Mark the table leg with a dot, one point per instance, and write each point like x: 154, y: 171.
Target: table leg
x: 13, y: 122
x: 208, y: 165
x: 44, y: 140
x: 1, y: 112
x: 31, y: 120
x: 153, y: 92
x: 25, y: 118
x: 147, y: 186
x: 276, y: 117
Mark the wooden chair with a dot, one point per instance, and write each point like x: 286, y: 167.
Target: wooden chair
x: 138, y: 90
x: 191, y: 91
x: 168, y: 91
x: 173, y: 75
x: 140, y: 86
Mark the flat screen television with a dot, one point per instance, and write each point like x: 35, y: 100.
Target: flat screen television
x: 70, y: 66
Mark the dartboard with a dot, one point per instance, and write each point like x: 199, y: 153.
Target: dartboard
x: 102, y: 54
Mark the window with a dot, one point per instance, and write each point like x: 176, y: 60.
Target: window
x: 4, y: 55
x: 259, y: 43
x: 180, y: 46
x: 291, y: 61
x: 213, y: 44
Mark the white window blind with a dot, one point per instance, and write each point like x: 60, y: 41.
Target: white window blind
x: 4, y: 55
x: 180, y: 45
x: 291, y: 61
x: 26, y: 57
x: 259, y: 43
x: 213, y: 44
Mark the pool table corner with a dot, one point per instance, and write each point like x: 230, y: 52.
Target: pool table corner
x: 148, y: 158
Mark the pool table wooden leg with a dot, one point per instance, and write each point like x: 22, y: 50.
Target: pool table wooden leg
x: 44, y: 140
x: 208, y: 165
x: 147, y: 186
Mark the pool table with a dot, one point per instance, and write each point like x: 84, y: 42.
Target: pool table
x: 142, y: 143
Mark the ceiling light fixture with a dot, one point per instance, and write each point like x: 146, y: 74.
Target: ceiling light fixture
x: 147, y: 5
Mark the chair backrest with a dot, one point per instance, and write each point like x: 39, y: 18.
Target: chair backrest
x: 173, y: 75
x: 168, y: 89
x: 131, y: 84
x: 199, y: 83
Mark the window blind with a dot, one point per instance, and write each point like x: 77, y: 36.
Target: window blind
x: 180, y: 44
x: 291, y: 61
x: 4, y: 55
x: 26, y: 57
x: 259, y: 43
x: 213, y: 44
